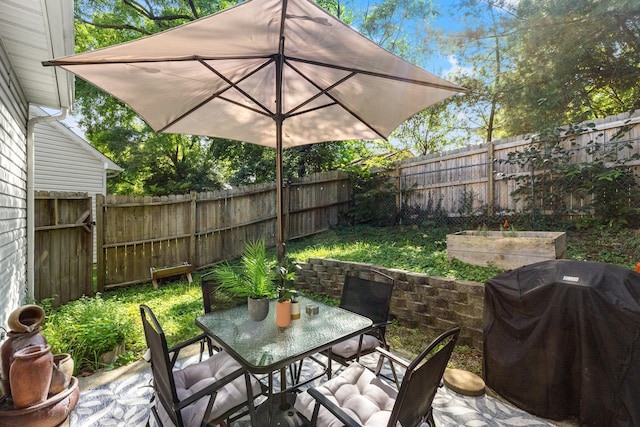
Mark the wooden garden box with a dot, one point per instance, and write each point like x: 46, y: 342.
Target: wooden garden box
x: 508, y: 249
x: 161, y: 273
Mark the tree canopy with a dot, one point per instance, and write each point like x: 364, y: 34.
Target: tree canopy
x: 536, y: 64
x: 577, y: 60
x: 528, y: 65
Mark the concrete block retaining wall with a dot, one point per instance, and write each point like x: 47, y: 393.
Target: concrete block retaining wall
x: 429, y: 303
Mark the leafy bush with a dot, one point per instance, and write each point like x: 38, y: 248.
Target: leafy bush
x: 87, y: 328
x: 606, y: 181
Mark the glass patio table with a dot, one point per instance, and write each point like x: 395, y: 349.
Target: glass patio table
x: 264, y: 348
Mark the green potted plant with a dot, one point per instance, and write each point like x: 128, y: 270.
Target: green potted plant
x: 287, y: 307
x: 254, y: 278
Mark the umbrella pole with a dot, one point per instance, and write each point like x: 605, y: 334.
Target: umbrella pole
x: 279, y: 117
x: 280, y: 246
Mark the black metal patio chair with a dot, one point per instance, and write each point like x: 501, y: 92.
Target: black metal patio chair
x: 357, y: 396
x: 366, y: 292
x: 211, y: 391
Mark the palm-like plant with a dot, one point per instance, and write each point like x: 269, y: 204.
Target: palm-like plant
x: 255, y: 275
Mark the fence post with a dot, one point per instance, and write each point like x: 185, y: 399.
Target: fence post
x: 100, y: 230
x: 490, y: 194
x: 192, y: 230
x: 398, y: 189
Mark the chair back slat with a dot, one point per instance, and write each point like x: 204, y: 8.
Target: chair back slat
x: 163, y: 382
x: 368, y: 292
x: 421, y: 381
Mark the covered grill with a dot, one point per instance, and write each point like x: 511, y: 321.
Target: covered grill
x: 562, y: 338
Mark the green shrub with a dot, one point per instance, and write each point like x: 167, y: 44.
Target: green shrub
x: 87, y: 328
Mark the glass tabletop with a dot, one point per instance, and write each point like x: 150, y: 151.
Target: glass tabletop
x: 263, y: 347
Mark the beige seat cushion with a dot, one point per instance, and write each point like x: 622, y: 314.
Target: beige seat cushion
x: 358, y: 392
x: 194, y: 378
x: 349, y: 348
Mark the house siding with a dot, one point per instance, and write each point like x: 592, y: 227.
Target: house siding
x: 13, y: 190
x: 62, y: 165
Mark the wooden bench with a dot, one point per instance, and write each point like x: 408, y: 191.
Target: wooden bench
x: 161, y: 273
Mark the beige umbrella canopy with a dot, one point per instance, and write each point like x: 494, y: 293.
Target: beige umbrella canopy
x: 279, y: 73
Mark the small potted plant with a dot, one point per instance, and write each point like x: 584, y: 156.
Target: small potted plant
x: 283, y: 308
x: 288, y: 306
x: 254, y: 278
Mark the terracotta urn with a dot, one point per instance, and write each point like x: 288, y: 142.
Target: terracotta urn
x: 283, y: 313
x: 30, y: 375
x: 62, y: 373
x: 16, y: 341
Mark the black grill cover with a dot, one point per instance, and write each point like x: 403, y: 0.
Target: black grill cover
x: 561, y: 339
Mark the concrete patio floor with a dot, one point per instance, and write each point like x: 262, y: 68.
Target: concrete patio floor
x: 105, y: 377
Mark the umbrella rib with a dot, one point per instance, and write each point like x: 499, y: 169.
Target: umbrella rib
x: 235, y: 85
x: 255, y: 110
x: 220, y: 92
x: 320, y: 107
x: 66, y: 62
x: 317, y: 95
x: 347, y: 109
x: 380, y: 75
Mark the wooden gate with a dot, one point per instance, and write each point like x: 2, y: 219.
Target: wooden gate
x: 63, y: 246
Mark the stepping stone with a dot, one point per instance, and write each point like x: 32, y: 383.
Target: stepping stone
x: 463, y: 382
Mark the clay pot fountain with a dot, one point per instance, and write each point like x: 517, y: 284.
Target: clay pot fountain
x: 39, y: 389
x: 25, y: 324
x: 49, y: 413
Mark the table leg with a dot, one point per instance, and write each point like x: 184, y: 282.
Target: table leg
x: 279, y: 412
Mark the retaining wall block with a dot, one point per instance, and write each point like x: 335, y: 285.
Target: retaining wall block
x: 403, y: 286
x: 442, y: 282
x: 417, y: 279
x: 319, y: 268
x: 416, y: 307
x: 471, y: 288
x: 451, y: 295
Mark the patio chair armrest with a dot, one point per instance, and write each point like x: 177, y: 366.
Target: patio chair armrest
x: 381, y: 324
x: 392, y: 357
x: 178, y: 347
x: 331, y: 407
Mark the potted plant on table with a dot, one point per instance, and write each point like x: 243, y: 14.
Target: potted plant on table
x: 287, y: 308
x: 253, y: 278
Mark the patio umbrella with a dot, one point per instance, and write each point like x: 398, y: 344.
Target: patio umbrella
x: 279, y: 73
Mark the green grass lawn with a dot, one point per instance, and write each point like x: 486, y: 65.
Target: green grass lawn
x: 90, y: 326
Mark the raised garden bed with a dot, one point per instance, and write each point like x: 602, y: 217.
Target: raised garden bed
x: 506, y: 249
x: 178, y: 270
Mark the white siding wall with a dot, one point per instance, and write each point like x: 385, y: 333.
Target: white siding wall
x: 13, y: 191
x: 62, y: 165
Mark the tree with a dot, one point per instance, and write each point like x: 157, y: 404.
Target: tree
x: 482, y: 51
x: 399, y: 26
x: 402, y: 27
x: 577, y: 60
x: 431, y: 130
x: 157, y: 164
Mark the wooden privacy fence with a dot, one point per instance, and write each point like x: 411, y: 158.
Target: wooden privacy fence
x: 475, y: 177
x: 135, y: 234
x: 63, y: 247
